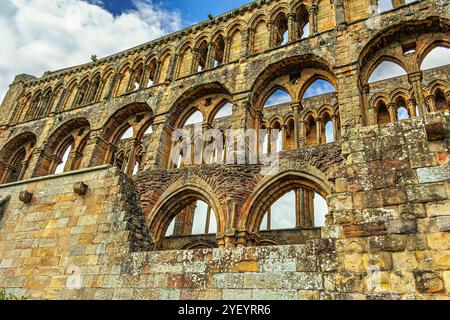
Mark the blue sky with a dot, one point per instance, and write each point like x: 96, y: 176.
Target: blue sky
x: 192, y: 11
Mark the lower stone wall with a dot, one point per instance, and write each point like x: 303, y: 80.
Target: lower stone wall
x: 387, y: 235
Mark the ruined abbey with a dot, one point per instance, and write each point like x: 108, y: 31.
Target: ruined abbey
x: 255, y: 155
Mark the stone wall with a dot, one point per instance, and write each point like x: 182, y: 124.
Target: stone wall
x: 387, y: 235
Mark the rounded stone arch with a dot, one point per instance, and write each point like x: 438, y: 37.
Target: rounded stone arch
x: 275, y: 119
x: 371, y: 51
x: 261, y: 15
x: 216, y: 33
x: 436, y: 85
x: 203, y: 36
x: 306, y: 114
x: 281, y: 8
x: 288, y: 117
x: 235, y: 25
x: 190, y: 96
x: 73, y: 133
x: 373, y: 102
x: 15, y: 153
x: 426, y: 48
x: 295, y: 5
x: 271, y: 188
x: 400, y: 92
x: 326, y: 108
x: 175, y: 199
x: 286, y: 66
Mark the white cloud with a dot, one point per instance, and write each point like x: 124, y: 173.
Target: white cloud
x: 42, y: 35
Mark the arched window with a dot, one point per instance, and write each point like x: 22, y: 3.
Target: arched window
x: 184, y: 68
x: 278, y: 97
x: 94, y: 90
x: 14, y: 157
x: 45, y: 104
x: 63, y: 162
x: 439, y: 56
x: 219, y: 51
x: 281, y: 36
x: 34, y: 106
x: 296, y: 209
x: 328, y: 129
x: 382, y: 113
x: 276, y: 138
x: 386, y: 70
x: 235, y: 45
x: 137, y: 77
x: 260, y: 37
x: 197, y: 218
x: 290, y: 135
x: 122, y: 85
x: 186, y: 150
x: 81, y: 94
x: 402, y: 110
x: 318, y: 87
x: 311, y: 132
x: 441, y: 103
x: 302, y: 22
x: 165, y: 64
x: 150, y: 73
x: 202, y: 56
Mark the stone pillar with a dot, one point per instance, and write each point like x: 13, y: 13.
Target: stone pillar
x: 335, y: 129
x: 112, y: 85
x: 226, y: 53
x: 272, y: 30
x: 172, y: 68
x: 292, y: 27
x: 411, y: 107
x: 302, y: 133
x: 319, y: 130
x: 431, y: 103
x: 284, y: 138
x: 132, y: 156
x: 210, y: 56
x: 296, y: 108
x: 247, y: 42
x: 269, y: 140
x: 60, y: 103
x: 415, y: 79
x: 391, y: 110
x: 313, y: 25
x: 194, y: 63
x: 95, y: 151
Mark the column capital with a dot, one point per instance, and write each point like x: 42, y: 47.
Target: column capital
x: 415, y: 76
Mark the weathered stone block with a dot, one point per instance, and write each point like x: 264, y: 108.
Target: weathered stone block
x: 438, y: 209
x: 426, y: 193
x: 404, y: 261
x: 428, y: 282
x: 434, y: 174
x: 443, y: 223
x: 401, y: 226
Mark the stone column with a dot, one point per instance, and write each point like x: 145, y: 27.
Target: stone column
x: 60, y: 103
x: 194, y: 63
x: 335, y: 129
x: 130, y: 84
x: 284, y: 138
x: 269, y: 140
x: 431, y: 103
x: 313, y: 26
x: 112, y: 85
x: 132, y: 157
x: 391, y: 110
x: 296, y: 108
x: 292, y: 27
x: 319, y: 130
x: 210, y: 56
x: 247, y: 42
x: 184, y: 221
x: 411, y: 107
x: 415, y: 79
x: 172, y: 68
x: 302, y: 133
x: 226, y: 51
x: 272, y: 30
x: 95, y: 151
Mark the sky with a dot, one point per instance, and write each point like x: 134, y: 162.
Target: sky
x: 46, y: 35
